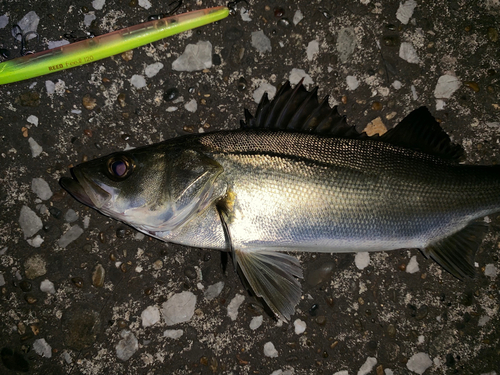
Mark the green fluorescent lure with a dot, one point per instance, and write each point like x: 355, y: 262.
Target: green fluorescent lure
x: 86, y: 51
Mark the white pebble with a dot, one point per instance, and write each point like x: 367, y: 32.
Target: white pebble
x: 41, y: 188
x: 98, y: 4
x: 29, y: 222
x: 36, y: 149
x: 191, y: 106
x: 491, y: 271
x: 67, y: 357
x: 88, y: 19
x: 263, y: 88
x: 297, y: 17
x: 407, y: 52
x: 195, y: 57
x: 261, y: 42
x: 150, y: 316
x: 300, y: 326
x: 419, y: 363
x: 173, y: 333
x: 312, y: 49
x: 362, y: 259
x: 32, y: 119
x: 214, y: 290
x: 50, y: 87
x: 144, y: 4
x: 153, y: 69
x: 270, y: 350
x: 47, y: 286
x: 388, y: 371
x: 72, y: 234
x: 397, y: 84
x: 367, y: 366
x: 405, y: 11
x: 127, y: 346
x: 179, y: 308
x: 256, y: 322
x: 234, y: 305
x: 343, y: 372
x: 35, y: 241
x: 70, y: 216
x: 446, y: 86
x: 414, y: 92
x: 245, y: 16
x: 42, y: 348
x: 138, y: 81
x: 483, y: 320
x: 296, y: 75
x: 352, y: 83
x: 412, y: 266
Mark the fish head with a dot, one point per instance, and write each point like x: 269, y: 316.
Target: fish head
x: 154, y: 188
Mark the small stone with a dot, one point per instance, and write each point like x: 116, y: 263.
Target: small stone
x: 42, y: 348
x: 312, y: 49
x: 245, y: 16
x: 405, y: 11
x: 419, y: 362
x: 376, y: 126
x: 296, y: 75
x: 71, y: 216
x: 234, y: 305
x: 47, y: 286
x: 261, y: 42
x: 191, y: 106
x: 127, y: 55
x: 300, y: 326
x: 297, y: 17
x: 35, y: 241
x: 71, y: 235
x: 150, y: 316
x: 352, y: 83
x: 89, y: 102
x: 397, y: 85
x: 263, y: 88
x: 121, y: 100
x: 269, y: 350
x: 127, y: 346
x: 35, y: 267
x: 407, y: 52
x: 367, y: 366
x: 256, y: 322
x: 490, y: 270
x: 446, y: 86
x: 173, y: 333
x: 41, y: 188
x: 195, y: 57
x: 346, y: 44
x: 138, y: 81
x: 36, y: 149
x: 30, y: 299
x: 214, y: 290
x: 377, y: 106
x: 493, y: 34
x: 153, y: 69
x: 472, y: 85
x: 179, y: 308
x: 98, y: 276
x: 362, y: 260
x: 412, y: 266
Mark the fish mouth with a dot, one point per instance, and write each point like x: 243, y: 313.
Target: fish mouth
x: 85, y: 190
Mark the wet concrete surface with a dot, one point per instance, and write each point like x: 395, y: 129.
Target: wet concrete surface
x: 94, y: 303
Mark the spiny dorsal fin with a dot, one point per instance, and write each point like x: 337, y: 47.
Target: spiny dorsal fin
x: 296, y: 109
x: 456, y: 253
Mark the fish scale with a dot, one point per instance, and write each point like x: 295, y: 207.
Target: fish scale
x: 296, y: 177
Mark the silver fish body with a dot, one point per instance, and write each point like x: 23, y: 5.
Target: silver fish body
x: 261, y: 190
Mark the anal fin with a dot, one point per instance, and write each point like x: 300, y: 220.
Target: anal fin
x: 456, y: 253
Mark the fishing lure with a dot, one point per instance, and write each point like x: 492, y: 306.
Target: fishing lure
x: 90, y: 50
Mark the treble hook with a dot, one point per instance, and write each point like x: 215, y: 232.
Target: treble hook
x: 232, y: 6
x: 24, y: 39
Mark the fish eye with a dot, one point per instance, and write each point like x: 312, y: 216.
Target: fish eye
x: 120, y: 167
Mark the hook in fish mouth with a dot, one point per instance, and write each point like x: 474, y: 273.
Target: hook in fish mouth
x: 85, y: 190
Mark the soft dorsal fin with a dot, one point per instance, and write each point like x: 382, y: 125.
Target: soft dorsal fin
x: 296, y: 109
x: 421, y: 132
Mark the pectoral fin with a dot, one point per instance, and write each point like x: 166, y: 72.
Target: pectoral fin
x: 271, y: 275
x: 456, y: 252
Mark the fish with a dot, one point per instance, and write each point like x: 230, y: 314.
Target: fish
x: 296, y: 177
